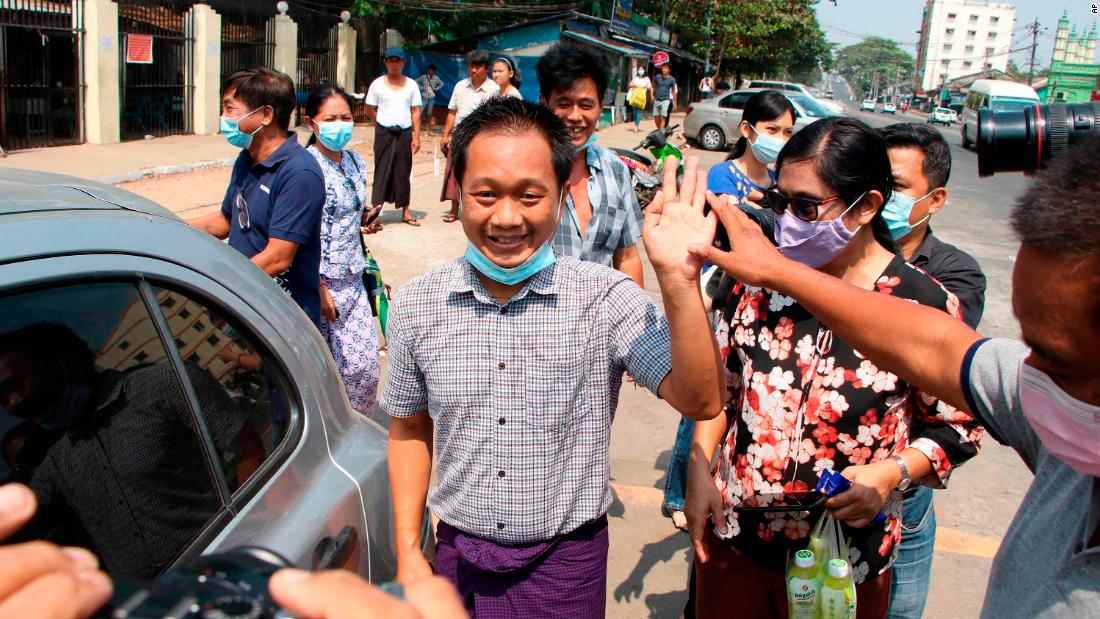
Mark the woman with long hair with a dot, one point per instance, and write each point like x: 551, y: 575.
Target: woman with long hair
x: 507, y: 77
x: 802, y: 400
x: 347, y: 322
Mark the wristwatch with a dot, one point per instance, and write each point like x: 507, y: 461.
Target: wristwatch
x: 903, y: 485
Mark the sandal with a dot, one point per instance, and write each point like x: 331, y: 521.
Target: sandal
x: 449, y: 218
x: 412, y: 221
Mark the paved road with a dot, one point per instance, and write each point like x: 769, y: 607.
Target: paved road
x: 649, y: 560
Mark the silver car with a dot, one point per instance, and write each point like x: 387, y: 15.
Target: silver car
x: 164, y: 398
x: 714, y: 123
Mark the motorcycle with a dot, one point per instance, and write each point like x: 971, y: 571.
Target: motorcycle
x: 646, y: 173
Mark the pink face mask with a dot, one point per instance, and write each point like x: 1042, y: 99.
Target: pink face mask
x: 1068, y: 428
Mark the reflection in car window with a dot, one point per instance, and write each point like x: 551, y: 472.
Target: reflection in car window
x: 95, y: 420
x: 240, y: 372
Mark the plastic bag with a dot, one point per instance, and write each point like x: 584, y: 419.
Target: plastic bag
x: 637, y: 97
x: 837, y: 589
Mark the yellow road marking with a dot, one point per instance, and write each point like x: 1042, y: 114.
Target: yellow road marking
x: 948, y: 539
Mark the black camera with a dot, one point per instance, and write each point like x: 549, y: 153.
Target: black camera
x: 231, y: 585
x: 1025, y: 140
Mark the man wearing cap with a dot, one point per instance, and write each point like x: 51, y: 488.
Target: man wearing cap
x: 393, y: 103
x: 466, y: 96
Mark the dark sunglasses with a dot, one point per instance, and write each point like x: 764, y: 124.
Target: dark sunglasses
x: 242, y: 212
x: 802, y: 208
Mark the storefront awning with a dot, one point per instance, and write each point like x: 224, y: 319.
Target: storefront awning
x: 652, y: 46
x: 614, y: 46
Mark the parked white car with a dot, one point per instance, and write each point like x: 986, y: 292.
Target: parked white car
x: 889, y: 108
x: 868, y: 105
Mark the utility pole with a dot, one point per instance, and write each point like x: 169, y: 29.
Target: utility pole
x: 664, y: 17
x: 1034, y: 44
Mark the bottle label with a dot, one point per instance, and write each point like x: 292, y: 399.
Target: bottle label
x: 837, y: 603
x: 802, y: 595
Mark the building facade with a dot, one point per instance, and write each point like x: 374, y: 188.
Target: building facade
x: 961, y: 37
x: 1073, y: 73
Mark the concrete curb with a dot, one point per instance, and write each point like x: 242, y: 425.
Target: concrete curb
x: 168, y: 170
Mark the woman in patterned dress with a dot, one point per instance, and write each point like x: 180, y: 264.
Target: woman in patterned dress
x: 802, y: 400
x: 347, y: 323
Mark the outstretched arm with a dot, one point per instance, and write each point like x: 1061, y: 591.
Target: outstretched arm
x: 922, y: 345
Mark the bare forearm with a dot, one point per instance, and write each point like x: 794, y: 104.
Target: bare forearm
x: 272, y: 262
x: 372, y: 114
x: 416, y: 122
x: 704, y: 442
x: 410, y: 465
x: 628, y: 261
x: 922, y: 345
x: 448, y: 124
x: 694, y: 386
x: 214, y: 224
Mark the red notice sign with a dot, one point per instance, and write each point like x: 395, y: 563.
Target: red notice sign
x: 139, y: 48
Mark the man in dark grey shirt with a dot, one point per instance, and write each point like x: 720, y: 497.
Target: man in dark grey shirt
x: 1041, y: 396
x: 664, y: 96
x: 920, y: 162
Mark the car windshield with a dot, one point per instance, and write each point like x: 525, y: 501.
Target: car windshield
x: 812, y: 107
x: 1010, y: 104
x: 942, y: 110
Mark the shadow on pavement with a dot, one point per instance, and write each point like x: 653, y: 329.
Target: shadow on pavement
x: 652, y: 554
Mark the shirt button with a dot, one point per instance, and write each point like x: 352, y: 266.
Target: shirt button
x: 501, y: 421
x: 504, y: 310
x: 500, y: 525
x: 500, y: 473
x: 500, y: 366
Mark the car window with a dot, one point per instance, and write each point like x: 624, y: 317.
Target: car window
x: 242, y: 373
x: 736, y: 100
x: 97, y: 421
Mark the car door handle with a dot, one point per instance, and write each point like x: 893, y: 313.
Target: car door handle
x: 333, y: 552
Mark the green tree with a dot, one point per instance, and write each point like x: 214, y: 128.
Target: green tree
x: 872, y: 63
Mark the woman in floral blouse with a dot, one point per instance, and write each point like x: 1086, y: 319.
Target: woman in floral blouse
x: 802, y: 400
x: 347, y: 322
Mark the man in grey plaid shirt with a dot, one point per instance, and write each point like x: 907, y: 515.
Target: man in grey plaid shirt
x: 514, y: 359
x: 601, y: 221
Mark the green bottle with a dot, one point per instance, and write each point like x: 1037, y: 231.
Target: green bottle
x: 802, y: 586
x: 838, y: 595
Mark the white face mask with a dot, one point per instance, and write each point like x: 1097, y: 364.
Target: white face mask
x: 1068, y: 428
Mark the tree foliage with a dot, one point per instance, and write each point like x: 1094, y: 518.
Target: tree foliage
x: 873, y: 62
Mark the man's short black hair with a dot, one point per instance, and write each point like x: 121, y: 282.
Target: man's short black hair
x: 260, y: 86
x: 937, y: 154
x: 564, y: 63
x: 431, y: 67
x: 513, y: 116
x: 1059, y: 213
x: 478, y: 57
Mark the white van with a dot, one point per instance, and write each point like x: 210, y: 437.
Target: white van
x: 999, y: 96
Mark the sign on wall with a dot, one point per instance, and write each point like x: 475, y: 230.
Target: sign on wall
x: 139, y: 48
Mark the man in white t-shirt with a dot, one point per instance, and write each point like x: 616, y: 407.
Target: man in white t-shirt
x: 393, y: 103
x: 466, y: 96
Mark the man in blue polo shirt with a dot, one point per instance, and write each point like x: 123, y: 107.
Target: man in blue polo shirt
x: 271, y: 212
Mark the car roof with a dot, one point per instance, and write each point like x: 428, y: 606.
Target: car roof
x: 30, y: 191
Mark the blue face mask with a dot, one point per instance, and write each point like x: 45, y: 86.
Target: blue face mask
x: 334, y: 135
x: 541, y: 259
x: 897, y: 212
x: 231, y: 129
x: 74, y: 403
x: 589, y: 142
x: 766, y: 148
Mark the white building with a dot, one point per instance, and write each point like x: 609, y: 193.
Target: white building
x: 960, y: 37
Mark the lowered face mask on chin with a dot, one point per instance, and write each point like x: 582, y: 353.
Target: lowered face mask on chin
x: 542, y: 258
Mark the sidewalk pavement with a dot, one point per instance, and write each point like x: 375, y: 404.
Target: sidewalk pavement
x: 177, y: 154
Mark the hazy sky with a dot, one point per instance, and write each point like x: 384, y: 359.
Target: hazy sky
x: 847, y: 20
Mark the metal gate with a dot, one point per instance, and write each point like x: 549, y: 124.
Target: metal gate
x: 156, y: 90
x: 317, y: 44
x: 248, y: 34
x: 41, y: 74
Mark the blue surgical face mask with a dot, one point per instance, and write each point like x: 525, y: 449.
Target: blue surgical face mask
x: 231, y: 129
x: 541, y: 259
x: 766, y: 148
x: 334, y: 135
x: 897, y: 212
x: 589, y: 142
x: 73, y: 403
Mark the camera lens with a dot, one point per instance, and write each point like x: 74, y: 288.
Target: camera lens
x: 1025, y: 140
